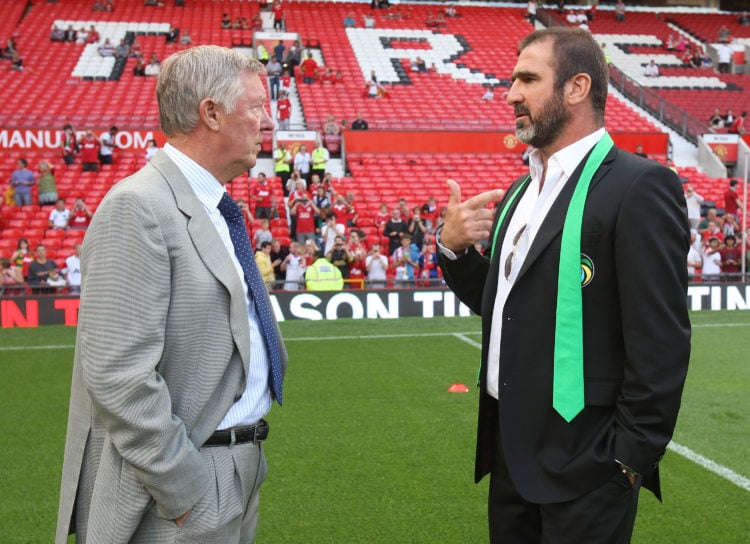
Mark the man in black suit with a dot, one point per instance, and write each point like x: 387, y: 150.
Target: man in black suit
x: 586, y: 336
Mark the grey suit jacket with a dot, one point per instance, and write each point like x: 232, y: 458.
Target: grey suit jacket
x: 162, y: 353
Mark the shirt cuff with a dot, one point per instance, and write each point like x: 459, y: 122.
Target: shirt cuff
x: 447, y: 253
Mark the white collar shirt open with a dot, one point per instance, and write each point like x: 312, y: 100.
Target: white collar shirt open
x: 530, y: 213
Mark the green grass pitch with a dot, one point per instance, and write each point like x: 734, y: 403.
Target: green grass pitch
x: 371, y: 448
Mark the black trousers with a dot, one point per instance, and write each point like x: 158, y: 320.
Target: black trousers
x: 605, y: 515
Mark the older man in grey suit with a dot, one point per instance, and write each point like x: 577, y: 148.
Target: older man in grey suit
x: 178, y: 358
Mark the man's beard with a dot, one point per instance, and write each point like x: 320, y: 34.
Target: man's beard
x: 544, y: 128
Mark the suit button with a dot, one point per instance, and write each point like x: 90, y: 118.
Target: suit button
x: 237, y: 397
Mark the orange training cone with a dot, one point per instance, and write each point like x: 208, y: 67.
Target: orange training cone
x: 458, y: 388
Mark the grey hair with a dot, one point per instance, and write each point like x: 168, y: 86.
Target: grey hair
x: 188, y: 77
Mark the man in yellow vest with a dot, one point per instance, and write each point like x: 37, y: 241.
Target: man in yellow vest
x: 262, y: 53
x: 282, y: 160
x: 320, y: 158
x: 323, y: 276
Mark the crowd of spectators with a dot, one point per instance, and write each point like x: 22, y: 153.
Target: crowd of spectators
x: 329, y: 243
x: 324, y: 224
x: 716, y: 236
x: 735, y: 124
x: 327, y: 240
x: 30, y: 269
x: 127, y: 48
x: 36, y: 273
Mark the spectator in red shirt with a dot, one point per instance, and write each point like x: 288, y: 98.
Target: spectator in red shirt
x: 341, y: 209
x: 278, y: 16
x: 286, y: 82
x: 262, y: 196
x: 283, y: 110
x: 712, y: 231
x: 357, y: 241
x: 732, y: 201
x: 327, y: 78
x: 382, y: 217
x: 738, y: 126
x: 352, y: 216
x: 90, y: 147
x: 80, y: 215
x: 309, y: 69
x: 305, y: 211
x: 731, y: 257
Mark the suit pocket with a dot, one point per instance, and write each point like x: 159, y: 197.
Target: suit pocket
x: 602, y: 393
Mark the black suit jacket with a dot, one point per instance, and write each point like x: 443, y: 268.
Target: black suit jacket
x: 636, y: 335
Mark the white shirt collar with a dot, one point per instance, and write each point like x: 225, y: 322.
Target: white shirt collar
x: 205, y: 186
x: 568, y: 157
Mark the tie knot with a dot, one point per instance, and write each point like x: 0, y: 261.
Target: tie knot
x: 228, y: 207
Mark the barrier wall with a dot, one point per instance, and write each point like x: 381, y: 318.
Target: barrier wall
x: 356, y: 141
x: 406, y: 141
x: 367, y: 304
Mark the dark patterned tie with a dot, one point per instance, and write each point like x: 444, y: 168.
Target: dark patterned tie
x: 256, y: 287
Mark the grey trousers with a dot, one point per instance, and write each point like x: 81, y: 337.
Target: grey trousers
x: 226, y: 514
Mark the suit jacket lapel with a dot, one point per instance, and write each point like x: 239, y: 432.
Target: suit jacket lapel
x: 210, y: 248
x: 552, y: 225
x: 508, y: 216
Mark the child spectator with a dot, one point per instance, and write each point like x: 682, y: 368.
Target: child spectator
x: 8, y: 275
x: 56, y: 280
x: 263, y: 260
x: 262, y: 234
x: 21, y: 259
x: 59, y: 217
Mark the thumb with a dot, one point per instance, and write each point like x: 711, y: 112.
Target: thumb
x: 455, y: 193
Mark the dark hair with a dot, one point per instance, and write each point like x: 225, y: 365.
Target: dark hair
x: 575, y: 51
x: 264, y: 244
x: 23, y: 161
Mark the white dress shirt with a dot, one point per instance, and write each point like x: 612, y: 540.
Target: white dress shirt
x: 256, y: 400
x: 529, y: 214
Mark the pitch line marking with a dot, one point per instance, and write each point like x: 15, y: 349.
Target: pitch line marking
x: 464, y: 338
x: 712, y: 466
x: 286, y: 339
x: 459, y: 335
x: 704, y: 462
x: 23, y: 348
